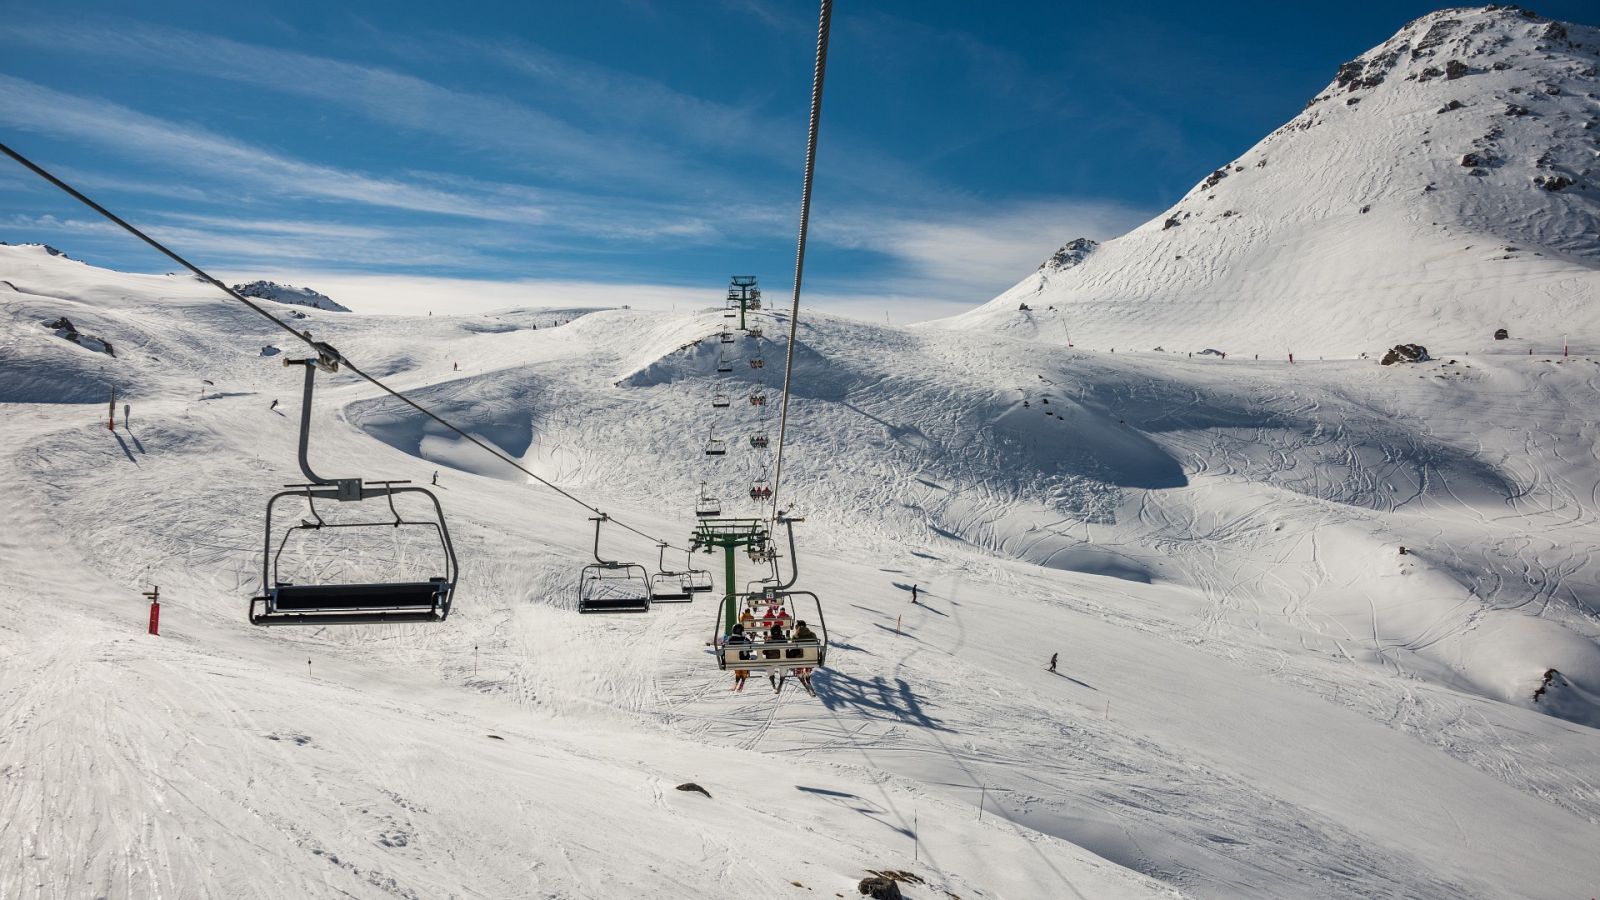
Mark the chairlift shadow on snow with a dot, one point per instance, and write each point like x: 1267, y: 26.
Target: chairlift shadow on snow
x: 874, y: 699
x: 926, y: 555
x: 855, y: 803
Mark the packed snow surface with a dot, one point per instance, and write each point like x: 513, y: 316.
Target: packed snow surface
x: 1325, y: 629
x: 1257, y: 696
x: 1444, y: 185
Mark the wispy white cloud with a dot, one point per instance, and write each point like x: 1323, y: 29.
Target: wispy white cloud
x: 32, y: 107
x: 524, y: 136
x: 979, y: 253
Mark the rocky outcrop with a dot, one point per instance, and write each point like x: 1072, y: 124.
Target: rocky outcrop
x: 1071, y: 254
x: 64, y: 329
x: 1406, y: 353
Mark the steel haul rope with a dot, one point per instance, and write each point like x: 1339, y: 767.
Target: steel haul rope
x: 323, y: 350
x: 823, y: 24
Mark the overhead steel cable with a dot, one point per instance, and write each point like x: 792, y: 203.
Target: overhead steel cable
x: 824, y: 22
x: 324, y: 351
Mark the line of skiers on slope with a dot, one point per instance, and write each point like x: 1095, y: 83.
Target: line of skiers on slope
x: 773, y: 622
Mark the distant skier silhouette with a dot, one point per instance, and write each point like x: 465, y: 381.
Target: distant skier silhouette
x: 436, y: 476
x: 1053, y: 661
x: 913, y: 593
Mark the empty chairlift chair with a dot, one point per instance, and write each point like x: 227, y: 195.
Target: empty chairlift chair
x: 699, y: 580
x: 716, y: 446
x: 289, y: 603
x: 726, y: 336
x: 607, y: 586
x: 724, y: 364
x: 720, y: 401
x: 669, y: 585
x: 707, y: 506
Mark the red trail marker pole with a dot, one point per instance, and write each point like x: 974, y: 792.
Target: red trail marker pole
x: 155, y: 610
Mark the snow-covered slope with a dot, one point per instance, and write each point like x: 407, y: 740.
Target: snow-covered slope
x: 289, y: 294
x: 1258, y: 695
x: 1444, y: 185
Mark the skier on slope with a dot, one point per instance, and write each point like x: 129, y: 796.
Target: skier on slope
x: 913, y: 593
x: 1053, y: 661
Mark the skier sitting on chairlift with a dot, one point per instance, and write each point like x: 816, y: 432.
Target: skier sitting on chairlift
x: 802, y: 633
x: 738, y: 638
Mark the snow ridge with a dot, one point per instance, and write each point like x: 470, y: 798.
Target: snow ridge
x: 1443, y: 185
x: 289, y: 294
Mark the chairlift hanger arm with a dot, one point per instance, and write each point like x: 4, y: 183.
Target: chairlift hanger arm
x: 598, y: 521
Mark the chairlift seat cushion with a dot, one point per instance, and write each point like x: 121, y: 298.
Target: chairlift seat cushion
x: 614, y: 604
x: 349, y: 597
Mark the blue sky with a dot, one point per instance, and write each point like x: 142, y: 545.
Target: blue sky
x: 405, y: 155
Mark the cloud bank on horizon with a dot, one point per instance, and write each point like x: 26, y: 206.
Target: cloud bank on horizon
x: 525, y: 156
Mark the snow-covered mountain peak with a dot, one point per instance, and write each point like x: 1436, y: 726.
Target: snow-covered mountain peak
x: 1443, y: 185
x: 1071, y: 253
x: 45, y: 249
x: 289, y: 294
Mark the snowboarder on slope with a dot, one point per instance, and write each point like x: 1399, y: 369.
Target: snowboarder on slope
x: 1053, y: 661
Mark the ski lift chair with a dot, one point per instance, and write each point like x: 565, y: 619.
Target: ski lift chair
x: 758, y: 363
x: 762, y: 654
x: 668, y: 586
x: 754, y: 331
x: 287, y: 603
x: 758, y: 399
x: 699, y: 580
x: 726, y: 336
x: 607, y: 586
x: 724, y: 365
x: 707, y: 506
x: 759, y: 440
x: 801, y: 605
x: 716, y: 447
x: 720, y: 401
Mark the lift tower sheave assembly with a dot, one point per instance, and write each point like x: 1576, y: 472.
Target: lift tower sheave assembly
x: 730, y: 535
x: 743, y: 290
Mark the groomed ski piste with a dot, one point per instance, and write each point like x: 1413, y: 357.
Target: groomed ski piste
x: 1325, y: 629
x: 1257, y: 694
